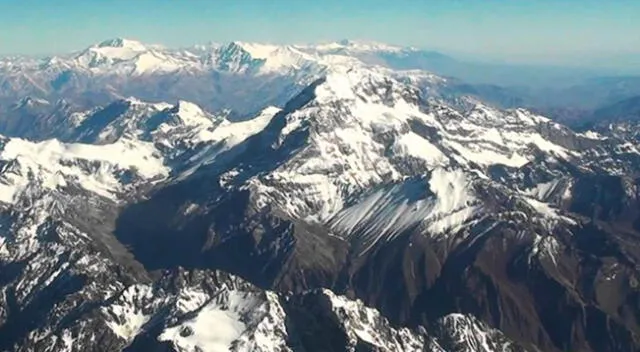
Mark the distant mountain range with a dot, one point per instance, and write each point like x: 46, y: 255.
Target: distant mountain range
x: 217, y: 75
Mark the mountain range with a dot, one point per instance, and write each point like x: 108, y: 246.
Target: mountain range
x: 318, y: 200
x: 219, y: 77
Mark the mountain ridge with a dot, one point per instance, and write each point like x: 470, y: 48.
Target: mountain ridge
x: 230, y: 76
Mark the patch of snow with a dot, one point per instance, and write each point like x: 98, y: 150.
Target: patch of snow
x: 454, y: 200
x: 234, y: 321
x: 338, y: 86
x: 191, y: 114
x: 151, y: 62
x: 366, y: 324
x: 486, y: 156
x: 546, y: 247
x: 469, y: 333
x: 233, y: 133
x: 592, y: 135
x: 537, y: 140
x: 418, y: 147
x: 125, y: 315
x: 54, y: 164
x: 546, y: 211
x: 213, y: 329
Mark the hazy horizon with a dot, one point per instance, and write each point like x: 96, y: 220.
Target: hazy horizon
x: 587, y: 33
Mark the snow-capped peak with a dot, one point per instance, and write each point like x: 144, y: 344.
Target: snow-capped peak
x: 365, y: 130
x: 191, y: 114
x: 122, y: 43
x: 117, y: 49
x: 344, y: 83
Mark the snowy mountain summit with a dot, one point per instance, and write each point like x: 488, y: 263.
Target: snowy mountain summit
x: 122, y: 43
x: 349, y: 206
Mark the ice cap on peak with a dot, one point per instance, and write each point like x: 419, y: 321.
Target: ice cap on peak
x: 190, y: 113
x: 121, y: 43
x: 187, y: 106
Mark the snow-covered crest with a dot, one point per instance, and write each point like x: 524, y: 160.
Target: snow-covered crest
x: 366, y: 128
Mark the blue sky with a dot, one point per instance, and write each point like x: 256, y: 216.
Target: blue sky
x: 542, y: 31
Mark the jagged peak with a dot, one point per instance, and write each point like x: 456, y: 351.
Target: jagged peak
x: 231, y: 57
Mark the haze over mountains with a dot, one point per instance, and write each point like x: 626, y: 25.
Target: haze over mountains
x: 119, y: 68
x: 334, y: 197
